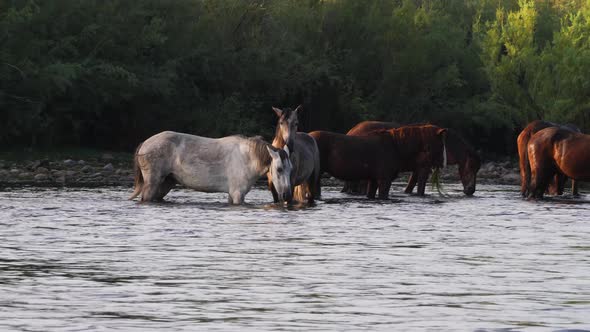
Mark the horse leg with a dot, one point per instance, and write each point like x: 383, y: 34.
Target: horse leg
x: 314, y: 186
x: 317, y: 186
x: 310, y: 192
x: 372, y: 189
x: 411, y: 183
x: 539, y: 181
x: 575, y: 188
x: 151, y: 186
x: 422, y: 179
x: 552, y: 186
x: 165, y: 188
x: 363, y: 187
x: 273, y: 190
x: 560, y: 182
x: 384, y: 186
x: 347, y: 187
x: 236, y: 197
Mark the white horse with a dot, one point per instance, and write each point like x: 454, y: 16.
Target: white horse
x: 230, y: 164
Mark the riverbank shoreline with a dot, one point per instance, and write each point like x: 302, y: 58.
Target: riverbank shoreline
x: 116, y: 170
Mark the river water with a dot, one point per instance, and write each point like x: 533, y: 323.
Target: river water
x: 89, y: 260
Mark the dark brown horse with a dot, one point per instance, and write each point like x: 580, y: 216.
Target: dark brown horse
x: 418, y: 148
x: 359, y: 158
x: 458, y: 152
x: 554, y: 151
x: 556, y: 186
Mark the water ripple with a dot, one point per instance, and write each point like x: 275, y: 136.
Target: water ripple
x: 87, y: 259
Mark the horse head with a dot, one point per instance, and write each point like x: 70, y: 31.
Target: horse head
x: 467, y: 160
x: 286, y: 126
x: 280, y: 171
x: 468, y: 172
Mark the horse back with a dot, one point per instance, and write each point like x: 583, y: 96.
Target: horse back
x: 197, y: 162
x: 365, y: 127
x: 571, y: 153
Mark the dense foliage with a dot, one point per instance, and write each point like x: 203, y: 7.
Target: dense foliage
x: 109, y: 73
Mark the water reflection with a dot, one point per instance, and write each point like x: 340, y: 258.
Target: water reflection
x: 90, y: 260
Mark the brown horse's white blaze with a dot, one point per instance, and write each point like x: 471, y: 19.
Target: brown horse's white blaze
x: 230, y: 164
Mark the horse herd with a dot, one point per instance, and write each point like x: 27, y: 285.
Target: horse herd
x: 369, y: 157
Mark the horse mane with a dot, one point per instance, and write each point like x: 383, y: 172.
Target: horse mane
x: 260, y: 154
x: 572, y: 127
x: 421, y: 131
x: 378, y: 132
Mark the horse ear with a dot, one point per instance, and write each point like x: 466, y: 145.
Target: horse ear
x: 299, y: 108
x: 286, y: 148
x: 278, y: 111
x: 272, y: 152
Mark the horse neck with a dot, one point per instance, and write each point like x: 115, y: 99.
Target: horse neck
x: 279, y: 143
x: 458, y: 150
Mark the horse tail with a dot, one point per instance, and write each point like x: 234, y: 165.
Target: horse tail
x: 138, y: 182
x: 523, y: 161
x: 527, y: 167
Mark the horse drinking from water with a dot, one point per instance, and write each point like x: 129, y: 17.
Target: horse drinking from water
x: 304, y: 155
x: 458, y: 152
x: 554, y: 151
x: 557, y: 184
x: 230, y: 164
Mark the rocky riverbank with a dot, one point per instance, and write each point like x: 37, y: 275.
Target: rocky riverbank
x: 106, y: 170
x: 497, y: 172
x: 103, y: 170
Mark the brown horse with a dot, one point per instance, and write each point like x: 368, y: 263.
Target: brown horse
x: 458, y: 153
x: 359, y: 158
x: 304, y: 155
x: 556, y: 150
x: 556, y: 186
